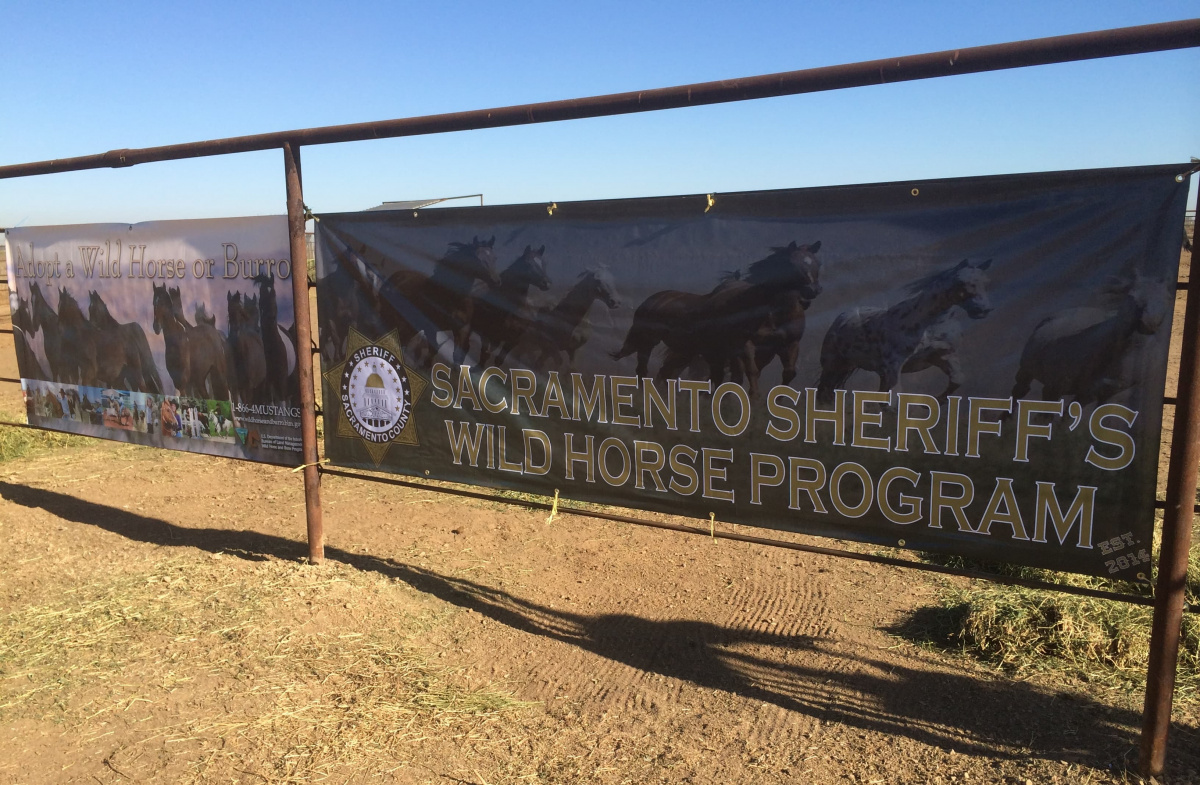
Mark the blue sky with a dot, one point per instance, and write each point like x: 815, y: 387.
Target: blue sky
x: 82, y: 78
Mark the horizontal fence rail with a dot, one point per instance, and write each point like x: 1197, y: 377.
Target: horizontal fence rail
x: 978, y: 59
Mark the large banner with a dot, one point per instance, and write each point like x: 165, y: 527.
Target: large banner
x: 971, y: 366
x: 176, y: 334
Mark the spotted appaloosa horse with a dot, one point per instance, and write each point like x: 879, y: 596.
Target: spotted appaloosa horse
x: 883, y: 340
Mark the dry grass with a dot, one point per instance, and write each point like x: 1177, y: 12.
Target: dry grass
x: 274, y: 684
x: 19, y: 442
x: 1025, y: 631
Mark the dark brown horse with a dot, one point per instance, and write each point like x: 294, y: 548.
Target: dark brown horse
x: 78, y: 348
x: 274, y: 349
x: 502, y: 315
x: 413, y: 303
x: 246, y: 347
x: 178, y: 356
x: 122, y: 351
x: 195, y: 354
x: 764, y: 308
x: 565, y: 327
x: 43, y: 318
x: 27, y: 362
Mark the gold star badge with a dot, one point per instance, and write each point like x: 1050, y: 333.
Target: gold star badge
x: 404, y: 384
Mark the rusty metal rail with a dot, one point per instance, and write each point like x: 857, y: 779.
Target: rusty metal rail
x: 952, y: 62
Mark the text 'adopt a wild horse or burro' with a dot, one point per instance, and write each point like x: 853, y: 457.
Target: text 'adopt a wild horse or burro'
x: 971, y: 366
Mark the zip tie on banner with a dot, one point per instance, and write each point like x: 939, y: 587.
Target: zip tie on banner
x: 553, y: 509
x: 712, y: 526
x: 711, y: 202
x: 304, y: 466
x: 550, y: 208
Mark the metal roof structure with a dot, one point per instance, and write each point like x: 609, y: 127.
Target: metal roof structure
x: 417, y: 204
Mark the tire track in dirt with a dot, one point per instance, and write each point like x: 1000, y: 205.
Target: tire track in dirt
x: 743, y: 647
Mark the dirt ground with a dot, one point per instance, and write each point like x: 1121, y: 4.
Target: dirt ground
x: 159, y: 625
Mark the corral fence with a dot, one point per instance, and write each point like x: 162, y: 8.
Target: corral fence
x: 1168, y: 598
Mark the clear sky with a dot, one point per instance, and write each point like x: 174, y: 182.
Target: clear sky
x: 83, y: 78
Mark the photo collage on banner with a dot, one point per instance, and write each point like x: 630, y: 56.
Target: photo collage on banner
x: 972, y: 366
x: 176, y: 334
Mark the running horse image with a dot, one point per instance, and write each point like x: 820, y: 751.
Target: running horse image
x: 565, y: 327
x: 27, y: 361
x: 888, y: 341
x: 44, y: 319
x: 502, y: 315
x: 744, y: 321
x: 1088, y: 354
x: 413, y: 303
x: 195, y: 354
x: 122, y: 352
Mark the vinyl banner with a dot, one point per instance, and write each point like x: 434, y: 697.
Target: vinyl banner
x: 971, y: 366
x: 174, y: 334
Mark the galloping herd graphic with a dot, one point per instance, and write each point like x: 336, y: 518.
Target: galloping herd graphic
x: 250, y: 364
x: 740, y: 326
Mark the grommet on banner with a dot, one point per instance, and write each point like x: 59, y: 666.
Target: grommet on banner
x: 712, y: 526
x: 916, y: 192
x: 1179, y: 178
x: 550, y: 208
x: 553, y: 509
x: 711, y: 202
x: 304, y: 466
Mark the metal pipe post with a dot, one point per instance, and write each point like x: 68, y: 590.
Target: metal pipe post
x: 1176, y: 540
x: 304, y: 361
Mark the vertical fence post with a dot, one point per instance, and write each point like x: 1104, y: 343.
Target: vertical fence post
x: 1176, y: 540
x: 304, y: 357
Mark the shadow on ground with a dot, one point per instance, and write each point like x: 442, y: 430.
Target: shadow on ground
x: 942, y: 707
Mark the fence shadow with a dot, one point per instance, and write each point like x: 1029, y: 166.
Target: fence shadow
x: 971, y: 712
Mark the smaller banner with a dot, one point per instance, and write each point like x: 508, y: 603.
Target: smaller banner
x: 175, y: 334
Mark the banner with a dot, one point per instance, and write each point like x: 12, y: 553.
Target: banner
x: 176, y: 334
x: 971, y: 366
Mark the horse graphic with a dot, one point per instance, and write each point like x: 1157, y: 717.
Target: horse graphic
x: 1088, y: 353
x: 122, y: 351
x: 761, y: 311
x: 413, y: 303
x: 502, y: 315
x: 565, y: 327
x: 246, y: 347
x: 27, y: 361
x: 44, y: 319
x: 274, y: 349
x: 78, y: 362
x: 885, y: 340
x: 347, y: 297
x: 195, y: 353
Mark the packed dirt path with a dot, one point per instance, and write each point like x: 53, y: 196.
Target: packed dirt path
x: 635, y: 655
